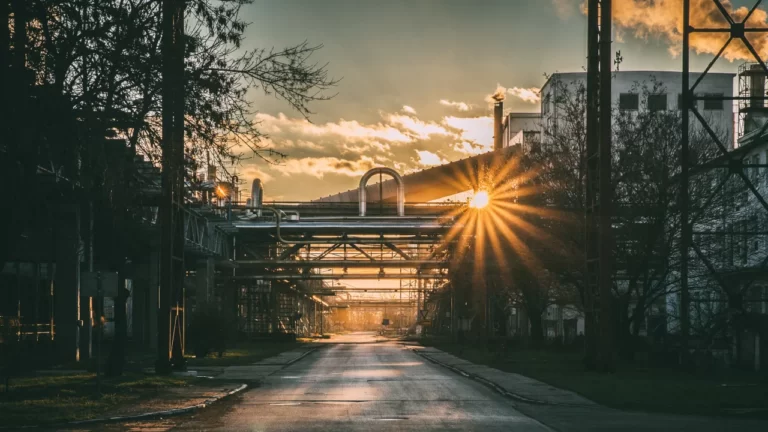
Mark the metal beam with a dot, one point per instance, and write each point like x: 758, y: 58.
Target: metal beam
x: 377, y: 304
x: 290, y: 251
x: 357, y: 248
x: 397, y: 250
x: 370, y: 276
x: 345, y: 263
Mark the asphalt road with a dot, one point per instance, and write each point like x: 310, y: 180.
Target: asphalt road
x: 363, y: 386
x: 361, y: 382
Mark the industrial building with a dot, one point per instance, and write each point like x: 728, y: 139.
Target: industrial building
x: 626, y: 89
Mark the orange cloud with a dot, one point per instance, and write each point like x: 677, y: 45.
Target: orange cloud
x: 664, y: 18
x: 409, y: 109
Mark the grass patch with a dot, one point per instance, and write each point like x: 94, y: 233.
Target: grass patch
x: 45, y: 400
x: 726, y: 392
x: 244, y: 353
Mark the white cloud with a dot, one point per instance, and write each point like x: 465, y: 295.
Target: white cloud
x: 249, y: 172
x: 417, y: 127
x: 409, y: 109
x: 366, y: 148
x: 341, y: 151
x: 427, y: 158
x: 461, y: 106
x: 318, y: 167
x: 475, y: 129
x: 349, y: 130
x: 469, y: 148
x: 296, y: 144
x: 530, y: 95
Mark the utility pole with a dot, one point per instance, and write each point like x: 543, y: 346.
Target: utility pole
x: 170, y: 313
x: 685, y: 228
x: 607, y: 352
x: 598, y: 211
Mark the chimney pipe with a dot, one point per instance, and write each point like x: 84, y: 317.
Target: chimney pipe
x: 498, y: 130
x: 257, y: 196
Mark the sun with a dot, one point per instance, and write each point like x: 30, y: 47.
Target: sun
x: 480, y: 200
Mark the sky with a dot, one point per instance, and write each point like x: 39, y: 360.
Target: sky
x: 416, y: 75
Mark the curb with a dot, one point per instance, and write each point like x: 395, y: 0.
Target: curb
x: 306, y: 353
x: 156, y: 414
x: 490, y: 384
x: 145, y: 416
x: 167, y: 413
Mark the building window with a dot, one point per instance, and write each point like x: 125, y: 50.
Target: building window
x: 713, y: 104
x: 545, y: 104
x: 680, y: 101
x: 657, y: 102
x: 629, y: 101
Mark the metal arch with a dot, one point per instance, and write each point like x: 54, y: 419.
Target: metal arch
x: 361, y: 192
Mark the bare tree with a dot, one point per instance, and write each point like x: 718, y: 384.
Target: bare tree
x: 645, y: 190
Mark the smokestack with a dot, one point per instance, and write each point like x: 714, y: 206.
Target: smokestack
x: 498, y: 130
x: 257, y: 193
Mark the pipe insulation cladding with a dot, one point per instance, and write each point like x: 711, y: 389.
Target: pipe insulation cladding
x: 362, y: 195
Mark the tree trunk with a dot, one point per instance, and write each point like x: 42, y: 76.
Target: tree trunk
x: 117, y: 354
x: 5, y: 219
x: 537, y: 329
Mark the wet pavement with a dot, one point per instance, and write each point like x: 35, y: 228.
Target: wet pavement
x: 367, y: 387
x: 363, y: 382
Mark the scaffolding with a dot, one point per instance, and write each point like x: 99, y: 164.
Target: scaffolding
x: 752, y: 110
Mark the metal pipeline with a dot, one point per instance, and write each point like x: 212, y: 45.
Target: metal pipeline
x: 342, y: 239
x: 361, y: 192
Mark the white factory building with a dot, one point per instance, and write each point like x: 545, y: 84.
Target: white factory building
x: 627, y: 96
x: 734, y: 239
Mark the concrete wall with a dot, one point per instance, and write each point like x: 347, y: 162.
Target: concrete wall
x: 517, y: 123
